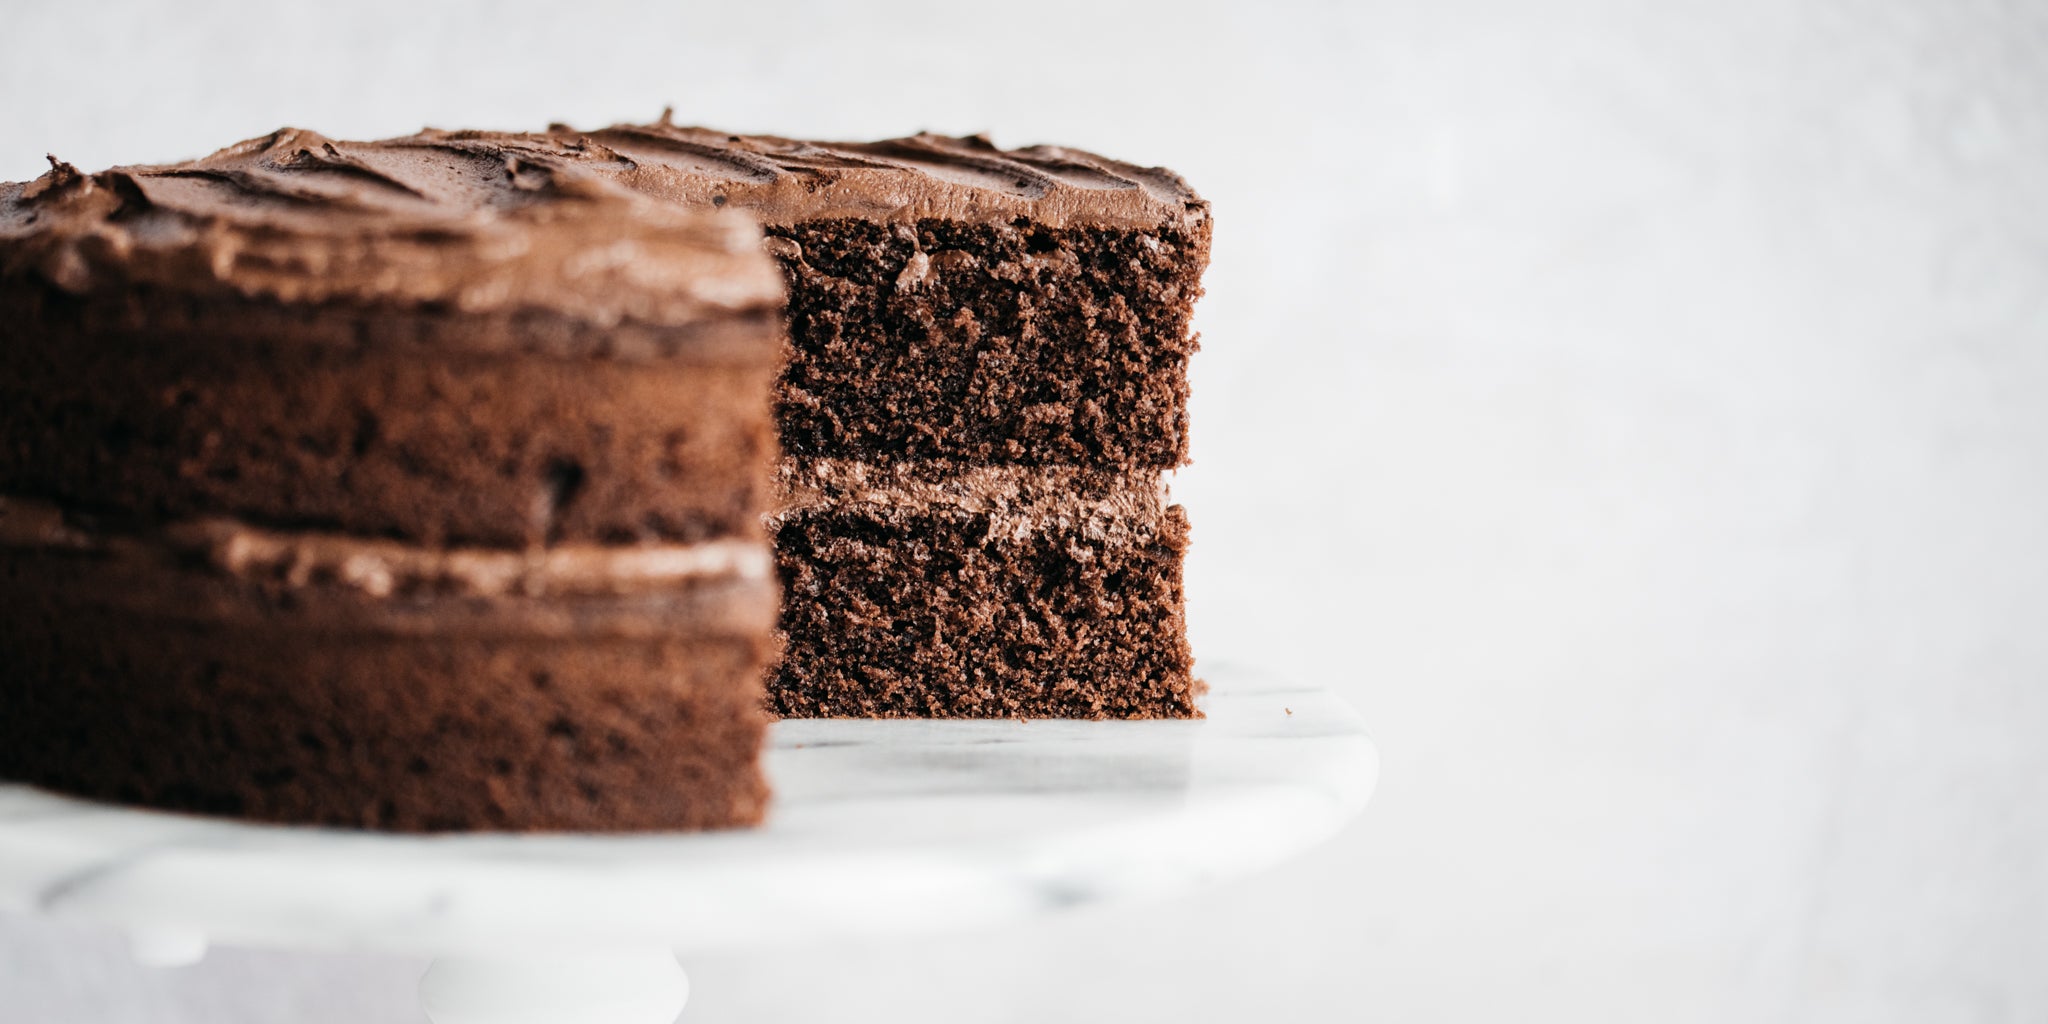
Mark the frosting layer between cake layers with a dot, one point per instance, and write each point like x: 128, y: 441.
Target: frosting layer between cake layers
x: 309, y: 566
x: 1102, y: 505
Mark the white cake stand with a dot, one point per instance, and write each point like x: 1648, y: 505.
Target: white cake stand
x: 878, y: 828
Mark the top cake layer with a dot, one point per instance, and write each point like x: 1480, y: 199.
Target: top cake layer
x: 440, y: 340
x: 921, y: 177
x: 477, y: 224
x: 950, y: 300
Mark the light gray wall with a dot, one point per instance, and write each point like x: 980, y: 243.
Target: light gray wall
x: 1636, y: 409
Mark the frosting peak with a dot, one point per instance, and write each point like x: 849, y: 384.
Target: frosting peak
x: 299, y: 559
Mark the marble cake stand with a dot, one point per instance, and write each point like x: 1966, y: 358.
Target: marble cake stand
x: 879, y: 827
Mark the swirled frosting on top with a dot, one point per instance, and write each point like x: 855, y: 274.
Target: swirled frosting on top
x: 785, y: 181
x: 476, y: 222
x: 627, y: 223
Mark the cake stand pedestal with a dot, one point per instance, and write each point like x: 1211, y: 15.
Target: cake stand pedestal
x: 878, y: 828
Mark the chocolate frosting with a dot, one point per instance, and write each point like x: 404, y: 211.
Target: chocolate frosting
x: 1106, y: 506
x: 557, y: 222
x: 786, y: 181
x: 378, y: 568
x: 478, y: 223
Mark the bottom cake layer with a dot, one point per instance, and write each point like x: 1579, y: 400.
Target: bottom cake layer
x: 473, y: 696
x: 947, y: 612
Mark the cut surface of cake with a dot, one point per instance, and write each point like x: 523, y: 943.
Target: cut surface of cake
x: 985, y: 388
x: 412, y: 485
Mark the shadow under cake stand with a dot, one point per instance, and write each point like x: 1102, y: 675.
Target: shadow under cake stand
x: 879, y: 827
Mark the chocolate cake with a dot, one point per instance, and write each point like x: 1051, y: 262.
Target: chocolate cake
x: 410, y: 485
x: 986, y: 383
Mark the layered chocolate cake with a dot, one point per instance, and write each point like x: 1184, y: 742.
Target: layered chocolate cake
x: 986, y: 383
x: 411, y: 485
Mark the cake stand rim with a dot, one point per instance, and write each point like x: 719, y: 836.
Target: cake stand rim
x: 1288, y: 767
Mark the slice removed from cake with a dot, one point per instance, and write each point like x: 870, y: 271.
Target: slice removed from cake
x: 986, y: 386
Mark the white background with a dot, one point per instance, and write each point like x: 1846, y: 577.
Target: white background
x: 1639, y: 410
